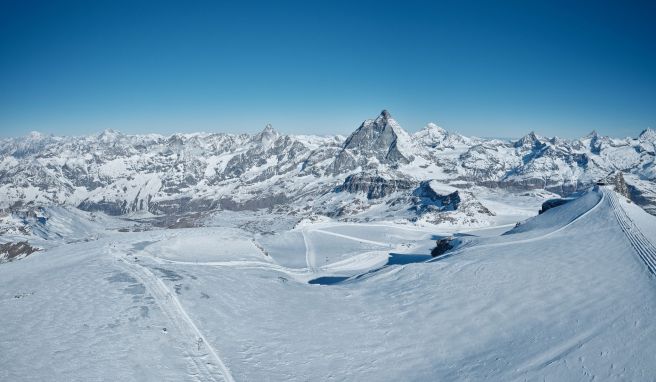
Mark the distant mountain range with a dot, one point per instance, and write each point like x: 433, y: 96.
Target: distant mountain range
x: 379, y: 164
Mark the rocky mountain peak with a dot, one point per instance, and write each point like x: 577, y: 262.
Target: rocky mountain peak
x: 529, y: 141
x: 591, y: 135
x: 381, y: 138
x: 431, y: 134
x: 383, y: 116
x: 648, y: 135
x: 109, y: 135
x: 35, y: 135
x: 595, y: 141
x: 380, y: 133
x: 430, y: 126
x: 267, y: 136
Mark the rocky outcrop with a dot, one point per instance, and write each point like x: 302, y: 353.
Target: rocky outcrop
x: 14, y: 251
x: 644, y: 196
x: 426, y: 198
x: 552, y: 203
x: 435, y: 203
x: 373, y: 185
x: 620, y: 186
x: 442, y: 246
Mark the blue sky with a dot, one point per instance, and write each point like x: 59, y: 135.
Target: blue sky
x: 487, y: 68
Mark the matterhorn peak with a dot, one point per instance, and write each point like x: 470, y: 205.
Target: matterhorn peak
x: 383, y: 131
x: 382, y: 121
x: 381, y: 138
x: 386, y: 121
x: 384, y: 115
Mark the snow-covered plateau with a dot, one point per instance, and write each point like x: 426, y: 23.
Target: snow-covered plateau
x: 217, y: 257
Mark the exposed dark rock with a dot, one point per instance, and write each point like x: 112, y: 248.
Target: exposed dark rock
x: 443, y: 245
x: 262, y: 202
x: 377, y: 139
x: 425, y: 196
x: 113, y: 208
x: 552, y: 203
x: 620, y: 185
x: 375, y: 186
x: 645, y: 200
x: 13, y: 251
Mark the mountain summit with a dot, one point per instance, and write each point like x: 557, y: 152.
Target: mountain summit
x: 267, y: 136
x: 381, y: 139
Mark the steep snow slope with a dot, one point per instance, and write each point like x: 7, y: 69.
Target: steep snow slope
x: 564, y: 297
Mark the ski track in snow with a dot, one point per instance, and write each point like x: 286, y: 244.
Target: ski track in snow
x: 236, y: 264
x: 352, y: 238
x: 642, y: 246
x: 171, y: 306
x: 310, y: 257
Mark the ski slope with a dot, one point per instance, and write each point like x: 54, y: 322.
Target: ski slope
x: 565, y: 296
x: 643, y: 247
x: 177, y: 315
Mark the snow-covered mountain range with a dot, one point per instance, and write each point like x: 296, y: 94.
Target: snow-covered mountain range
x: 378, y: 165
x: 284, y: 258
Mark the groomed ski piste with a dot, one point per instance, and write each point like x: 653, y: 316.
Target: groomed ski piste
x: 642, y: 246
x: 568, y: 295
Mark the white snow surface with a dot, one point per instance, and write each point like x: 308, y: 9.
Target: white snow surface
x: 564, y: 296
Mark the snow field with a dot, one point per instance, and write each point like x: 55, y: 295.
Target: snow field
x: 561, y: 298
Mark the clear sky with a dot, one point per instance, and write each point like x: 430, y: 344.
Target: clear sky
x: 488, y: 68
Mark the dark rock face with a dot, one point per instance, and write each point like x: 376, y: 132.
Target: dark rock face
x: 645, y: 200
x: 443, y: 245
x: 266, y: 202
x: 13, y: 251
x: 113, y: 208
x: 620, y: 186
x: 425, y: 197
x: 377, y: 139
x: 551, y: 203
x: 375, y: 186
x: 529, y: 141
